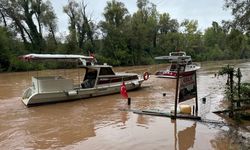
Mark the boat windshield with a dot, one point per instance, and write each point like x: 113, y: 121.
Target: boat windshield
x: 189, y: 62
x: 173, y: 67
x: 106, y: 71
x: 177, y: 54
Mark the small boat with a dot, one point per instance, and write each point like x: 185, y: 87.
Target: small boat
x: 98, y: 80
x: 186, y: 65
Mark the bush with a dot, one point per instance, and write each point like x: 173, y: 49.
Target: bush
x: 18, y: 65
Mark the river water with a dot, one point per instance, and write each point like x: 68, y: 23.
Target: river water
x: 98, y: 124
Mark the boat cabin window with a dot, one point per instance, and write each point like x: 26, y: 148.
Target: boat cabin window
x: 174, y: 67
x: 106, y: 71
x: 177, y: 54
x: 89, y: 79
x: 189, y: 62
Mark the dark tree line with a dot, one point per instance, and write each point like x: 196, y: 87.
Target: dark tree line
x: 121, y: 38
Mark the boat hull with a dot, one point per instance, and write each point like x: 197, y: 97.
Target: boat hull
x: 166, y: 76
x: 172, y: 75
x: 34, y: 98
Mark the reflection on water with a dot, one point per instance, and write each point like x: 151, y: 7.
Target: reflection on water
x: 97, y: 123
x: 226, y: 140
x: 142, y: 120
x: 124, y: 117
x: 185, y: 137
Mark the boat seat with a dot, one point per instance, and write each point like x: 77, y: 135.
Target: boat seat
x: 88, y: 83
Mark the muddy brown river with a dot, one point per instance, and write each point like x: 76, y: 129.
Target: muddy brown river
x: 98, y: 124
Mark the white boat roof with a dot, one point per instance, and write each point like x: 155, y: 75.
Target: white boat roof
x: 57, y: 57
x: 175, y: 57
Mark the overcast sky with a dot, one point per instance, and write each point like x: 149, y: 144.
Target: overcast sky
x: 205, y: 11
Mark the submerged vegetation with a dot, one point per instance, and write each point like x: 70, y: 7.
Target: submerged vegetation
x: 237, y: 93
x: 121, y: 38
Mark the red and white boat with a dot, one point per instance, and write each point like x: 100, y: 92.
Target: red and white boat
x: 175, y: 58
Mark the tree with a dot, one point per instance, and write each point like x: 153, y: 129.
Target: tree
x: 215, y: 35
x: 241, y: 12
x: 167, y: 24
x: 215, y: 43
x: 144, y: 26
x: 3, y: 19
x: 115, y: 13
x: 115, y: 33
x: 71, y: 11
x: 240, y: 27
x: 237, y: 44
x: 49, y: 20
x: 191, y: 37
x: 25, y: 15
x: 5, y: 46
x: 168, y: 38
x: 80, y: 26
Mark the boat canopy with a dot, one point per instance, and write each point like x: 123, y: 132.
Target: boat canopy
x: 58, y: 57
x: 174, y: 58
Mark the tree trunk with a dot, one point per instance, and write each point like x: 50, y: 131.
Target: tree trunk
x: 38, y: 42
x: 231, y: 94
x: 4, y: 20
x: 239, y: 83
x: 53, y: 34
x: 81, y: 34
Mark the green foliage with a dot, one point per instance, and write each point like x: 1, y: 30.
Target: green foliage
x: 239, y: 92
x: 245, y: 90
x: 215, y: 36
x: 226, y: 70
x: 18, y: 65
x: 27, y: 18
x: 81, y: 28
x: 166, y: 24
x: 120, y: 38
x: 5, y: 41
x: 241, y: 12
x: 115, y: 29
x: 214, y: 53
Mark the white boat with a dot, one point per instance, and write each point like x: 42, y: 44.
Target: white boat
x: 186, y: 65
x: 98, y: 80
